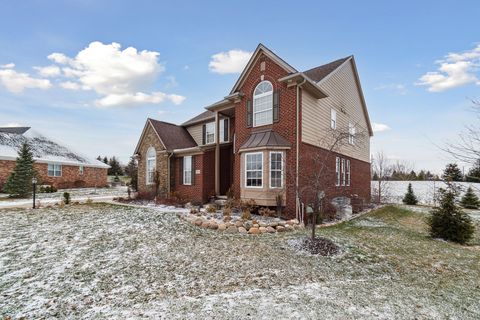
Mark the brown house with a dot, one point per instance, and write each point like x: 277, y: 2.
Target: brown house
x: 271, y: 126
x: 56, y: 165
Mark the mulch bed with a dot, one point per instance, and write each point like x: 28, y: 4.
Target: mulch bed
x: 319, y: 246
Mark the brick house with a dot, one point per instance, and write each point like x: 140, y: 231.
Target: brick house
x: 271, y: 125
x: 56, y: 165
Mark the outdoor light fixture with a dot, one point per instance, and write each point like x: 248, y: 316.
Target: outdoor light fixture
x: 34, y: 185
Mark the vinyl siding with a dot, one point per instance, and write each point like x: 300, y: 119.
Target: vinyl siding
x: 342, y: 91
x: 196, y: 133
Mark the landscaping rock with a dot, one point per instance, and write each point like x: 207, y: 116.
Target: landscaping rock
x: 239, y: 224
x: 198, y: 221
x: 256, y: 225
x: 231, y: 229
x: 247, y: 225
x: 242, y: 230
x: 254, y: 230
x: 280, y: 229
x: 205, y: 224
x: 262, y: 224
x: 262, y: 229
x: 213, y: 225
x: 273, y: 224
x: 222, y: 227
x: 271, y: 229
x: 289, y: 227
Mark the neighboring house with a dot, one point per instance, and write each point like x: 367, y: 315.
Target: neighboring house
x: 270, y: 124
x: 55, y: 164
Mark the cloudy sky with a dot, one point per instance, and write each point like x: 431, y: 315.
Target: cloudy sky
x: 88, y: 73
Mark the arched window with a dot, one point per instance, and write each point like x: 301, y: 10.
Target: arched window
x: 151, y: 165
x: 263, y: 104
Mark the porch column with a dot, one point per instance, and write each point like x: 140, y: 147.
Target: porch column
x: 217, y: 154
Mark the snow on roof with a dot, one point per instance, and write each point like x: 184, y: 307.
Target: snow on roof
x: 44, y: 149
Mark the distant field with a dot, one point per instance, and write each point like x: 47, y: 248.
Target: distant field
x: 424, y: 190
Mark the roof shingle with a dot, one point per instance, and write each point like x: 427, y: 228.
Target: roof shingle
x: 173, y: 136
x: 320, y: 72
x: 201, y: 117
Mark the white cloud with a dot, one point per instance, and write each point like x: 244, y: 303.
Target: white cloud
x: 48, y: 71
x: 455, y: 70
x: 16, y: 82
x: 379, y: 127
x: 232, y: 61
x: 7, y: 66
x: 120, y: 77
x: 139, y: 98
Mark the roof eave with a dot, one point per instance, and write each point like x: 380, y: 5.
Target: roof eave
x: 299, y: 78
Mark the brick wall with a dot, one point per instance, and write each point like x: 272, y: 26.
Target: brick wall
x: 285, y: 126
x: 203, y: 183
x: 71, y: 177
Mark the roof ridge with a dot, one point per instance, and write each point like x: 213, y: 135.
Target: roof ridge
x: 331, y: 62
x: 172, y: 124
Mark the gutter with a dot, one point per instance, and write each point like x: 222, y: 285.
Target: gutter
x: 299, y: 85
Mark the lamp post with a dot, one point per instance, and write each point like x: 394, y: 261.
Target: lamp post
x: 34, y: 185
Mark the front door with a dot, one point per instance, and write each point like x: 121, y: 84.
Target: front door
x: 226, y: 168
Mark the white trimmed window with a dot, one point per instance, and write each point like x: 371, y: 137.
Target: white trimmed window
x: 187, y: 170
x: 151, y: 165
x: 337, y: 171
x: 347, y: 169
x: 263, y: 104
x: 276, y: 169
x: 343, y: 172
x: 80, y: 170
x: 210, y: 133
x: 54, y: 170
x: 254, y: 170
x: 351, y: 133
x: 333, y: 118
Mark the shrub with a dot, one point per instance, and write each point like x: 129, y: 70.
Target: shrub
x: 145, y: 195
x: 266, y: 212
x: 248, y: 205
x: 410, y: 197
x: 211, y: 208
x: 66, y: 197
x: 227, y: 212
x: 229, y: 193
x: 246, y: 215
x: 470, y: 200
x: 448, y: 221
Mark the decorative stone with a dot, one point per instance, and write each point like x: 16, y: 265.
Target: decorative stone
x: 270, y: 229
x: 205, y: 224
x: 289, y: 227
x: 273, y: 224
x: 198, y: 222
x: 295, y: 221
x: 290, y: 222
x: 256, y: 225
x: 280, y: 229
x: 247, y: 225
x: 262, y: 229
x: 231, y: 229
x: 213, y: 225
x: 262, y: 224
x: 242, y: 230
x: 222, y: 227
x: 239, y: 224
x: 254, y: 230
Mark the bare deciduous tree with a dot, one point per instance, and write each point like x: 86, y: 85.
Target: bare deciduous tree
x: 383, y: 169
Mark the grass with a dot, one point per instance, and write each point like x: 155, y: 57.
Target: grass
x: 107, y: 261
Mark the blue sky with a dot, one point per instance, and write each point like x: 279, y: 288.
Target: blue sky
x: 87, y: 103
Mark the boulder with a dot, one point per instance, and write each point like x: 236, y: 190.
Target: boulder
x: 247, y: 225
x: 262, y: 229
x: 239, y: 224
x: 213, y: 225
x: 273, y: 224
x: 254, y: 230
x: 256, y: 225
x: 198, y: 221
x: 280, y: 229
x: 289, y: 227
x: 242, y: 230
x: 295, y: 221
x: 271, y: 229
x: 290, y: 222
x: 262, y: 224
x: 222, y: 227
x: 231, y: 229
x: 205, y: 224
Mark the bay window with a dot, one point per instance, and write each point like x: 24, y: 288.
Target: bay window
x: 254, y: 170
x: 276, y: 169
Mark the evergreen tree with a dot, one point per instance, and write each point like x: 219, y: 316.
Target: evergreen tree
x: 19, y: 183
x: 412, y: 175
x: 131, y: 170
x: 105, y: 160
x: 474, y: 173
x: 99, y: 158
x: 448, y: 221
x: 375, y: 176
x: 452, y: 173
x: 470, y: 200
x: 421, y: 175
x: 115, y: 167
x: 410, y: 197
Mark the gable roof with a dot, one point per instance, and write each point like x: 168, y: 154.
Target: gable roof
x: 44, y: 149
x: 206, y: 115
x: 172, y: 136
x: 319, y: 73
x: 269, y: 53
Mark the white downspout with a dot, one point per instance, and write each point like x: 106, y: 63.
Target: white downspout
x: 297, y: 148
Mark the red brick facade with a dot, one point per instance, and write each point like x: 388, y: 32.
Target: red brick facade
x: 71, y: 176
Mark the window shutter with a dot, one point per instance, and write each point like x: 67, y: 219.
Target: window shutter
x: 249, y: 113
x: 193, y: 170
x: 204, y: 133
x: 181, y: 170
x: 276, y: 104
x: 225, y: 130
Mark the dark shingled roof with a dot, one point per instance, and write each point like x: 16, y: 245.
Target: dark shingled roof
x: 173, y: 136
x: 15, y: 130
x: 266, y: 138
x: 318, y: 73
x: 201, y: 117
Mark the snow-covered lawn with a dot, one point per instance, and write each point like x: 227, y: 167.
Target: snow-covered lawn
x: 80, y: 194
x: 104, y: 261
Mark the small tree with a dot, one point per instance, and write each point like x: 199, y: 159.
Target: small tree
x: 448, y: 221
x: 19, y: 183
x: 410, y: 197
x: 470, y: 200
x: 131, y: 170
x: 115, y: 167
